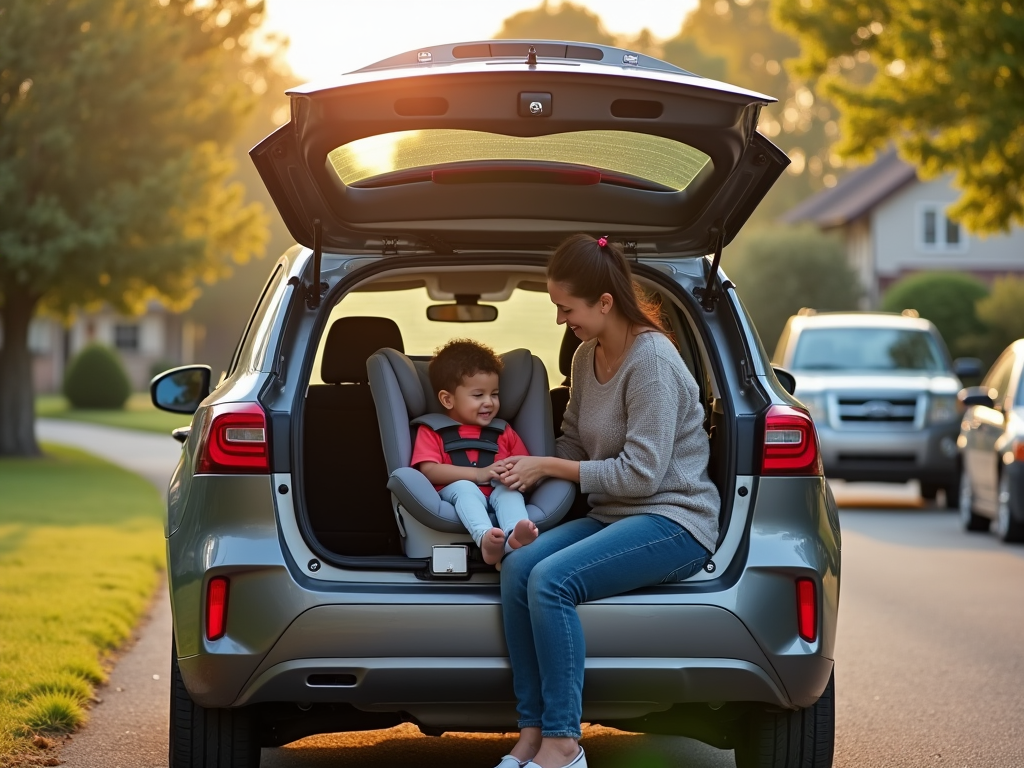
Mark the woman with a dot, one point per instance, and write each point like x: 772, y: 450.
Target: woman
x: 634, y: 440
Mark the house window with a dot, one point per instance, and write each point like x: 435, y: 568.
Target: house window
x: 126, y: 337
x: 937, y: 233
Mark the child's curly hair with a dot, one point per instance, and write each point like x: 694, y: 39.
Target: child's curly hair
x: 458, y: 360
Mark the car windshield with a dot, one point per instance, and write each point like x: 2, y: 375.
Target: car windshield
x: 665, y: 162
x: 867, y: 349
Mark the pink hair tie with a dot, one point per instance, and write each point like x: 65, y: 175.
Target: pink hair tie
x: 602, y: 241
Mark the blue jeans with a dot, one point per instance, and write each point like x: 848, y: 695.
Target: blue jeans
x: 574, y: 563
x: 471, y: 506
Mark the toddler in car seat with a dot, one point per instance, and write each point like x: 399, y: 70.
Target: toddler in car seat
x: 456, y: 451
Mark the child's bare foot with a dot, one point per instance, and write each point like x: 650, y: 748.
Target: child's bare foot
x: 524, y: 533
x: 492, y: 546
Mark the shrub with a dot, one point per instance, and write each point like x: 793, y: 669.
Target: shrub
x: 779, y: 271
x: 1001, y: 312
x: 947, y: 299
x: 160, y: 366
x: 96, y: 379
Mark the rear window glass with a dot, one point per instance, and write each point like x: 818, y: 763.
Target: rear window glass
x: 867, y: 349
x: 668, y: 163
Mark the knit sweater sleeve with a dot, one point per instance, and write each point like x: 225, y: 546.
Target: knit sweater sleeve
x: 568, y: 446
x: 652, y: 401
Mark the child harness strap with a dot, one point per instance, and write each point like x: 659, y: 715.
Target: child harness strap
x: 456, y: 446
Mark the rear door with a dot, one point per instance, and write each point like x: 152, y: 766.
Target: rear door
x: 460, y: 148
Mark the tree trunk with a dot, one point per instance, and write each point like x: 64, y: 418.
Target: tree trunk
x: 17, y: 404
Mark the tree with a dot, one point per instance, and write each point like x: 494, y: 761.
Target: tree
x: 567, y: 21
x: 947, y: 86
x: 116, y: 118
x: 948, y: 300
x: 783, y: 270
x: 1000, y: 311
x: 736, y: 41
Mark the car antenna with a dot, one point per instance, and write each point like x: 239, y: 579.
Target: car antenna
x: 531, y: 56
x: 313, y: 290
x: 707, y: 295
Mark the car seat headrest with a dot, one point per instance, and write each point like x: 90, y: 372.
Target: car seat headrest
x: 514, y: 382
x: 414, y: 389
x: 350, y: 341
x: 567, y: 351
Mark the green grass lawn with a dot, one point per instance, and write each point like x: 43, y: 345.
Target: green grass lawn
x: 138, y: 413
x: 81, y: 549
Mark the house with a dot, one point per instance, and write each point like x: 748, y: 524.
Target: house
x: 156, y: 339
x: 895, y: 224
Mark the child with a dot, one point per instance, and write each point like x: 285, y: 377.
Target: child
x: 464, y: 374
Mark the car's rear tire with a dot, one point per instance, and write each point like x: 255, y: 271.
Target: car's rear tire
x: 801, y: 739
x: 929, y: 491
x: 1007, y: 529
x: 969, y: 519
x: 208, y: 738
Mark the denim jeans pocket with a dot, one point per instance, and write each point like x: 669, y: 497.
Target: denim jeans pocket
x: 686, y: 571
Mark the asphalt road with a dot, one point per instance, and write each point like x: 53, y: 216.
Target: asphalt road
x: 929, y: 672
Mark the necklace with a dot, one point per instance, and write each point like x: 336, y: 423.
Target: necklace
x: 625, y: 346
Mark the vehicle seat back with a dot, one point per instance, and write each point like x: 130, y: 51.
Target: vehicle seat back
x: 560, y: 395
x: 344, y: 469
x: 402, y: 391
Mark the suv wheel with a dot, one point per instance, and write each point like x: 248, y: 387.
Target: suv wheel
x: 801, y: 739
x: 1007, y: 528
x: 208, y: 738
x: 970, y: 520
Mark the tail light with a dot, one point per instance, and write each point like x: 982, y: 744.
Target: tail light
x: 806, y: 610
x: 1018, y: 450
x: 790, y: 443
x: 216, y: 607
x: 234, y: 440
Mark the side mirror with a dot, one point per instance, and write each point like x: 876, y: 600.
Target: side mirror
x: 181, y: 390
x: 786, y: 379
x: 977, y: 396
x: 967, y: 367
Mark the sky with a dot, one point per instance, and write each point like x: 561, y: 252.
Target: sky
x: 329, y: 37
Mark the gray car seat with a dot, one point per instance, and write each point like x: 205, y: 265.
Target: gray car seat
x: 402, y: 391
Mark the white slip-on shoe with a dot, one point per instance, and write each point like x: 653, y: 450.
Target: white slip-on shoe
x: 580, y: 761
x: 509, y: 762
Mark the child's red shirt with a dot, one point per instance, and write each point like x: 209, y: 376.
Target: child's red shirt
x: 430, y: 447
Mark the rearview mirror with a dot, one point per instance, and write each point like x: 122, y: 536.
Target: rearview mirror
x: 462, y: 313
x: 181, y: 390
x: 967, y: 367
x: 977, y: 396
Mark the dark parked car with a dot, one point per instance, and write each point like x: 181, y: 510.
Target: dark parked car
x: 991, y: 446
x: 318, y: 583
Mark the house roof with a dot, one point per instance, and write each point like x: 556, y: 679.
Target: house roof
x: 855, y: 194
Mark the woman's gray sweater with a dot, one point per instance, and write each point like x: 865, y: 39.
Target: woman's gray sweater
x: 640, y: 438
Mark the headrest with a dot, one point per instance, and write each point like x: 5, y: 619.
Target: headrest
x: 566, y: 352
x: 350, y: 341
x: 419, y: 397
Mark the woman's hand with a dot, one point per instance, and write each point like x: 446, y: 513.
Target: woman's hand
x: 521, y: 473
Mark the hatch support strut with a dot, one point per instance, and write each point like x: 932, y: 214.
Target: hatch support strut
x: 708, y: 295
x: 314, y: 289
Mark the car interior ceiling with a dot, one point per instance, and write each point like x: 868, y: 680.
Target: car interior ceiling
x: 344, y: 473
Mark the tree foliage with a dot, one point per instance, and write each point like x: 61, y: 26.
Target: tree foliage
x: 948, y: 300
x: 116, y: 118
x: 1001, y: 312
x: 946, y: 85
x: 783, y: 270
x: 566, y: 21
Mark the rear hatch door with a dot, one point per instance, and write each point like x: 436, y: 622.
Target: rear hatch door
x: 482, y: 145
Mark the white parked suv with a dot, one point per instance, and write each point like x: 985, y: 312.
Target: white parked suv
x: 881, y: 389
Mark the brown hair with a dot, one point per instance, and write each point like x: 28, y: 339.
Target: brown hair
x: 589, y: 269
x: 458, y: 360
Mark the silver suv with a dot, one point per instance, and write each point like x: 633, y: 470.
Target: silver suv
x: 320, y: 585
x: 883, y: 394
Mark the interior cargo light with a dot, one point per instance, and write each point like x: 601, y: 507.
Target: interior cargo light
x: 216, y: 607
x: 806, y: 610
x: 790, y: 443
x: 233, y: 440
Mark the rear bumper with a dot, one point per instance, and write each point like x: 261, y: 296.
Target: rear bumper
x: 928, y: 455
